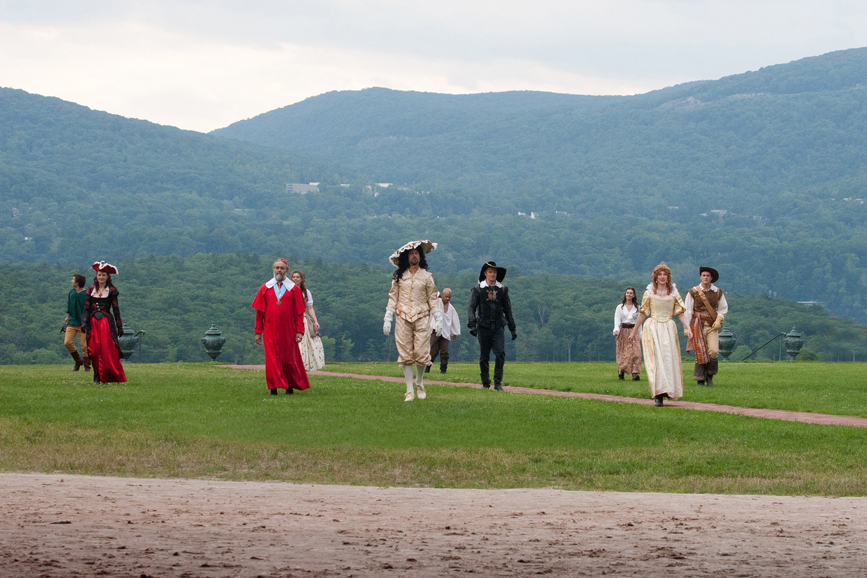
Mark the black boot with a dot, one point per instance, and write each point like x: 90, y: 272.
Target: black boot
x: 486, y: 384
x: 427, y: 369
x: 498, y: 386
x: 700, y: 382
x: 658, y: 399
x: 274, y: 391
x: 620, y: 376
x: 636, y: 377
x: 443, y: 368
x: 78, y: 361
x: 290, y: 391
x: 709, y: 380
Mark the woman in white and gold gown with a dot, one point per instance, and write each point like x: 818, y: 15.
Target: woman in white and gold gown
x: 312, y: 352
x: 660, y: 303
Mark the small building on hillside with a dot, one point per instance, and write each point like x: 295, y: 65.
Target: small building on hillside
x: 301, y: 188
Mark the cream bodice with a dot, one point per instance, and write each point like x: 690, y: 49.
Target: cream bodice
x: 412, y: 296
x: 661, y: 309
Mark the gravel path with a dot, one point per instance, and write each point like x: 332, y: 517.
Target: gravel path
x: 62, y: 526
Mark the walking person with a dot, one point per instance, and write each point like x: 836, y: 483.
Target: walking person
x: 489, y: 311
x: 312, y: 352
x: 101, y: 327
x: 439, y: 344
x: 412, y: 300
x: 660, y: 303
x: 280, y: 308
x: 73, y: 324
x: 628, y: 350
x: 706, y: 308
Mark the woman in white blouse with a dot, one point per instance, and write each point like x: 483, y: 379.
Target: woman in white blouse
x: 628, y: 350
x: 312, y: 352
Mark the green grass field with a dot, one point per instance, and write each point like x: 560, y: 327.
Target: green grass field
x: 834, y: 388
x: 196, y: 420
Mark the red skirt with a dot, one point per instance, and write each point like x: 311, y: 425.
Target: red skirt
x: 104, y: 354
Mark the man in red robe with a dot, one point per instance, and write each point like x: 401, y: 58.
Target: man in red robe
x: 280, y: 310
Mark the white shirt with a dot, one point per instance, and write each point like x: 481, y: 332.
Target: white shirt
x: 309, y: 299
x: 451, y: 322
x: 722, y: 308
x: 623, y: 315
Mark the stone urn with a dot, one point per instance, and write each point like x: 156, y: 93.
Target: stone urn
x: 794, y: 343
x: 213, y: 341
x: 727, y: 341
x: 127, y: 340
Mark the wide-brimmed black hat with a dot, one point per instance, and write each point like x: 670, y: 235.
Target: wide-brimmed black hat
x: 501, y: 271
x: 714, y: 275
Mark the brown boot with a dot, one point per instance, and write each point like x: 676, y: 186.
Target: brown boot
x: 78, y: 360
x: 86, y: 361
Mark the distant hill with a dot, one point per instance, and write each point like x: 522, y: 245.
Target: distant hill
x: 761, y: 175
x: 737, y: 143
x: 77, y: 183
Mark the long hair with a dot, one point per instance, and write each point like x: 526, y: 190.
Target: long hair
x: 663, y: 268
x: 634, y: 298
x: 108, y: 282
x: 302, y: 285
x: 403, y: 263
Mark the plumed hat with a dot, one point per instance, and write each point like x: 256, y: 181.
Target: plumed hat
x: 104, y: 267
x: 501, y: 271
x: 423, y: 245
x: 714, y: 275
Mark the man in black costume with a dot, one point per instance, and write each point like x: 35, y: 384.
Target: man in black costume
x: 491, y: 300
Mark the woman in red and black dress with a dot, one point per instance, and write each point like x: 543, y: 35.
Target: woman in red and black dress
x: 102, y: 329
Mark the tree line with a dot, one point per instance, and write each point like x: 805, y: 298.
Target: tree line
x: 175, y: 299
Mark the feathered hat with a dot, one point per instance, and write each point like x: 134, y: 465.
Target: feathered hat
x: 104, y: 267
x: 422, y: 245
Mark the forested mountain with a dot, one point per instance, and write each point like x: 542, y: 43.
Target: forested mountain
x: 76, y: 182
x: 175, y: 300
x: 760, y: 175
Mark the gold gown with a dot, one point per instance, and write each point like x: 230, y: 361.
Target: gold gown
x: 660, y: 344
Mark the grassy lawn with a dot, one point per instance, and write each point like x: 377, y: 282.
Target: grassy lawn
x: 833, y: 388
x: 196, y: 420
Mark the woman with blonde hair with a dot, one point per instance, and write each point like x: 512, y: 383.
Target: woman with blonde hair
x: 660, y: 303
x: 312, y: 352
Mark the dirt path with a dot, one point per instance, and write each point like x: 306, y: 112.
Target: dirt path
x: 61, y: 526
x: 801, y: 416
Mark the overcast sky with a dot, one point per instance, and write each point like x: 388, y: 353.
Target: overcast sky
x: 203, y: 65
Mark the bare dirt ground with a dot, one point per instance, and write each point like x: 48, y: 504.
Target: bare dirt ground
x: 61, y: 525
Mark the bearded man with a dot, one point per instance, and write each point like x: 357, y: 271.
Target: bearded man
x: 413, y: 300
x: 280, y: 308
x: 706, y: 308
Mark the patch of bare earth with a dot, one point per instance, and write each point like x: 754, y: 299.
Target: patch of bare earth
x: 61, y: 525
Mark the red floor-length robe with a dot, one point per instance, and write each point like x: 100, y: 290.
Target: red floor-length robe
x: 279, y: 323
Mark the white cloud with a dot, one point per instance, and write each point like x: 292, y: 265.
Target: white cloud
x: 202, y: 65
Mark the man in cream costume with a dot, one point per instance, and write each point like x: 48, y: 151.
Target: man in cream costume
x: 412, y: 300
x: 706, y: 307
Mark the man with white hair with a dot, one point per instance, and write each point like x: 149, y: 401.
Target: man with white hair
x: 439, y: 344
x: 280, y: 310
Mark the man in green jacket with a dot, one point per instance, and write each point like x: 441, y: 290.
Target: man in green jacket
x: 74, y: 309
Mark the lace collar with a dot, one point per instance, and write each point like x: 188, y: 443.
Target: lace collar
x: 652, y: 292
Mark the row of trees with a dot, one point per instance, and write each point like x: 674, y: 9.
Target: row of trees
x: 175, y: 299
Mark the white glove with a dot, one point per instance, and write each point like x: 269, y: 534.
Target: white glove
x: 386, y: 324
x: 438, y: 322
